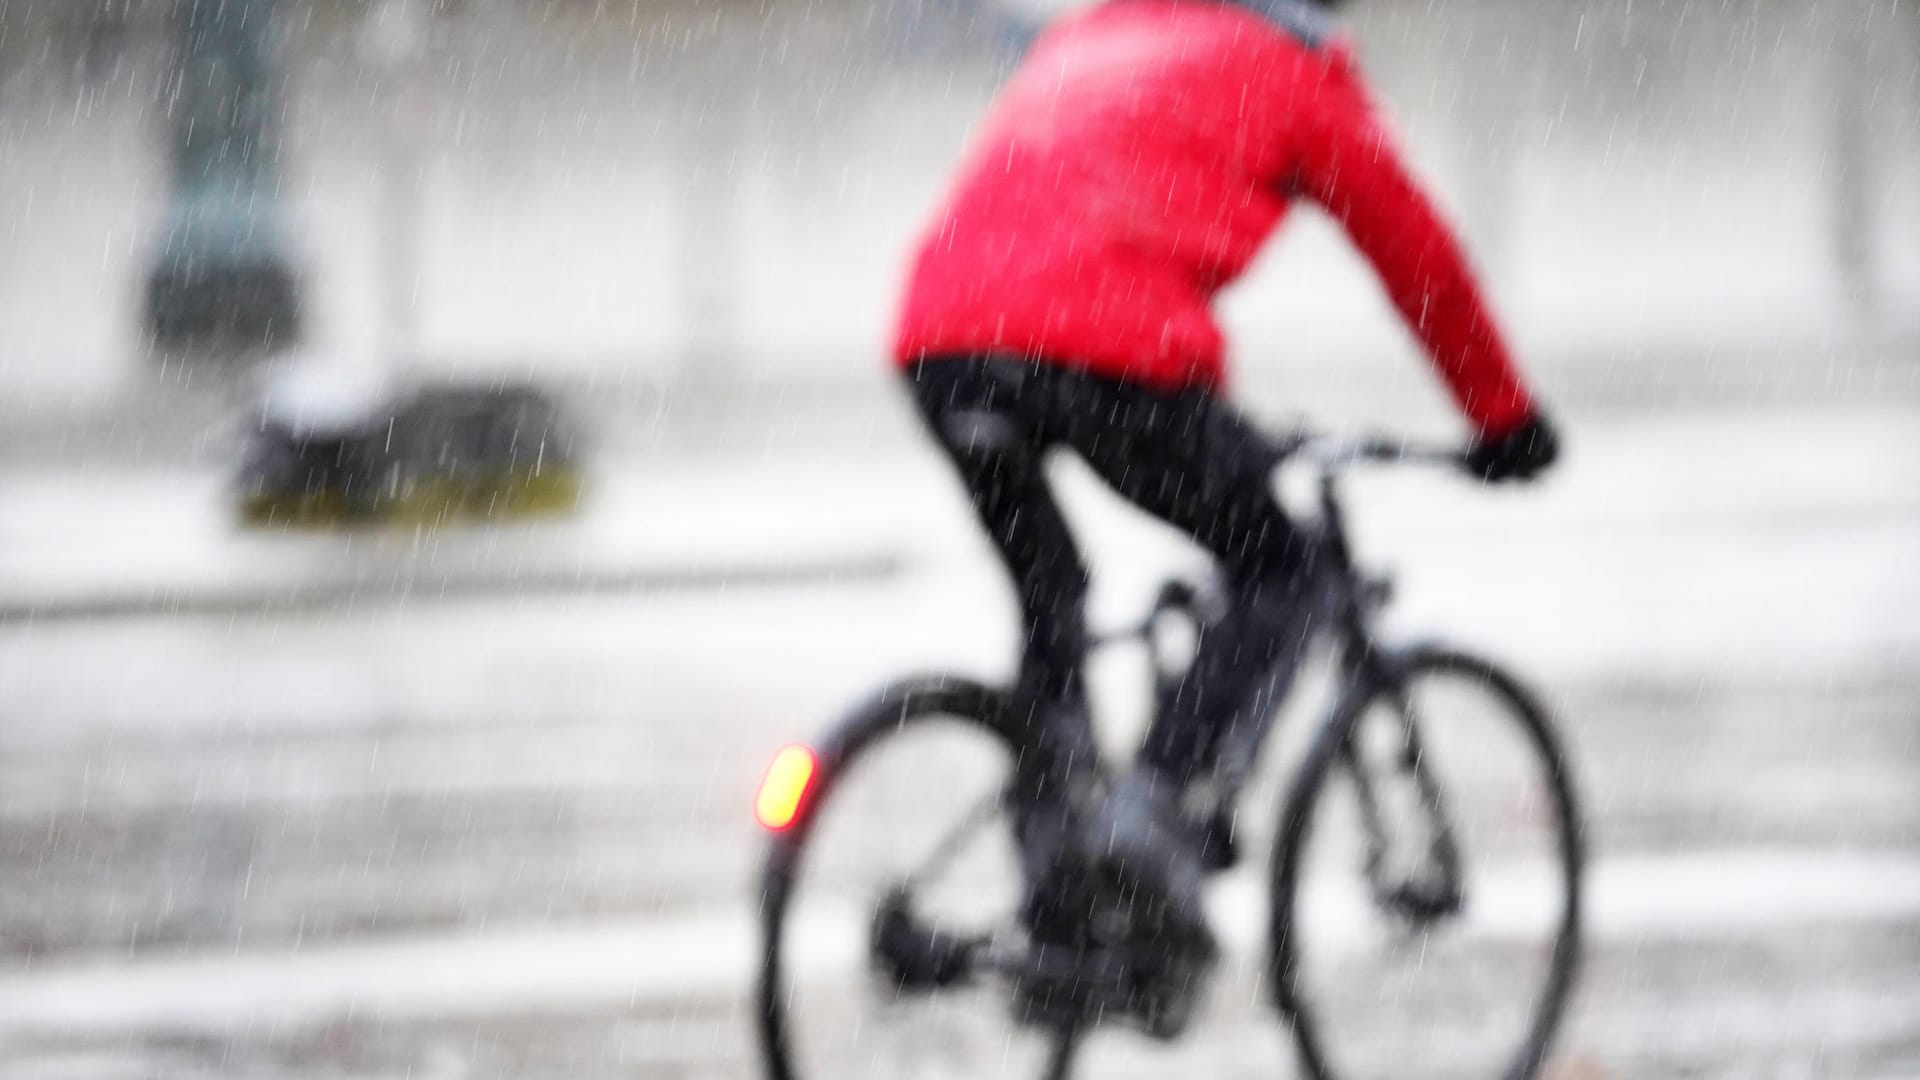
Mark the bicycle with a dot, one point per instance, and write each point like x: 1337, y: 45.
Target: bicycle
x: 1379, y: 739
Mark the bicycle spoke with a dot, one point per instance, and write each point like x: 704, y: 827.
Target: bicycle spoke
x: 948, y: 847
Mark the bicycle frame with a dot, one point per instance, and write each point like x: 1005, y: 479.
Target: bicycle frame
x: 1075, y: 993
x: 1345, y: 598
x: 1367, y: 667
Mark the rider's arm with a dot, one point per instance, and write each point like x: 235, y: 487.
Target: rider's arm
x: 1347, y: 162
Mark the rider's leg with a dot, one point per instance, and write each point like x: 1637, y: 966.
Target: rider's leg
x: 1179, y: 459
x: 973, y: 411
x: 1194, y: 462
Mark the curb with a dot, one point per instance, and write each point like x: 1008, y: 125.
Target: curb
x: 346, y: 595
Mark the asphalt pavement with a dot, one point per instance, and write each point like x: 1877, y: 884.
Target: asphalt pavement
x: 471, y: 803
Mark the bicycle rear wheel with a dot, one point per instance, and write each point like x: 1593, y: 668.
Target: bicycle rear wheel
x: 1427, y: 880
x: 907, y: 797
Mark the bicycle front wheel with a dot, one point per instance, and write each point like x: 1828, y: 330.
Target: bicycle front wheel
x: 906, y: 800
x: 1427, y: 880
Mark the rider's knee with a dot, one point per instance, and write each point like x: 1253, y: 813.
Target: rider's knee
x: 981, y: 434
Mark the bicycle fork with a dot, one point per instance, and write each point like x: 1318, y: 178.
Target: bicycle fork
x: 1436, y: 889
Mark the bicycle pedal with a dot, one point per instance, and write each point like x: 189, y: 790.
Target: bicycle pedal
x: 915, y: 958
x: 1151, y: 984
x: 1067, y: 986
x: 1165, y: 998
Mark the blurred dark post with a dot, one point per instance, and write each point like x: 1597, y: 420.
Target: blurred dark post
x: 1853, y: 165
x: 225, y: 274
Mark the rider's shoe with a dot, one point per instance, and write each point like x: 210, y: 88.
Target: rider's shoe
x: 1056, y: 993
x: 1047, y: 826
x: 1059, y: 879
x: 1054, y: 910
x: 1144, y: 843
x: 1152, y: 865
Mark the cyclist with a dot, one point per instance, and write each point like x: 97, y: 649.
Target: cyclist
x: 1129, y: 170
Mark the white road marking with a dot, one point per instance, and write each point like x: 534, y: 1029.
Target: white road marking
x: 1721, y: 895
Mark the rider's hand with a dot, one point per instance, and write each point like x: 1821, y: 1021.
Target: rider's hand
x: 1519, y: 454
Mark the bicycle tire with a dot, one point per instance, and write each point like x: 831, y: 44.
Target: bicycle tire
x: 895, y: 709
x: 1306, y: 797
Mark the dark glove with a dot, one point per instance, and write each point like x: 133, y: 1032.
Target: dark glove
x: 1519, y: 454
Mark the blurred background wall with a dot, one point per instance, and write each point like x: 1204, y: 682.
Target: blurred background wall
x: 1673, y: 197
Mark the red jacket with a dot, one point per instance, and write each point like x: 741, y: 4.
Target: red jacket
x: 1132, y: 168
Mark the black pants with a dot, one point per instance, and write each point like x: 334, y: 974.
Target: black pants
x: 1188, y: 459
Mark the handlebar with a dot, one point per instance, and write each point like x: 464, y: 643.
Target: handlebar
x: 1330, y: 452
x: 1326, y: 453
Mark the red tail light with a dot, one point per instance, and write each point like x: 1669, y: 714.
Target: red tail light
x: 785, y: 788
